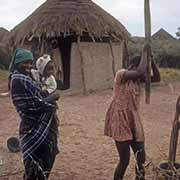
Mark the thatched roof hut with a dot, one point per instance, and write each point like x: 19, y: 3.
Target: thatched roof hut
x: 162, y: 34
x: 66, y: 25
x: 65, y: 17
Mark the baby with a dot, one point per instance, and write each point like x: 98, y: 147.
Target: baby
x: 44, y: 74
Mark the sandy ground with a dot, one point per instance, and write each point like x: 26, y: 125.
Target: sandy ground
x: 86, y: 154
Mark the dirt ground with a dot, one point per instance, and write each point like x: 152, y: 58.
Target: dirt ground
x: 85, y: 153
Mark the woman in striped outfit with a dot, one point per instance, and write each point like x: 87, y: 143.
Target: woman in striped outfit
x: 38, y: 126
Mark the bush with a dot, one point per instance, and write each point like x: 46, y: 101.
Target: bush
x: 166, y: 53
x: 169, y: 61
x: 5, y: 56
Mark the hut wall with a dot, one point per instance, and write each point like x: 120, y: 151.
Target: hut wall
x: 76, y: 84
x: 118, y: 55
x: 97, y: 65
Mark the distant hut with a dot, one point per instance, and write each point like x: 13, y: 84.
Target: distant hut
x: 162, y: 35
x: 86, y: 42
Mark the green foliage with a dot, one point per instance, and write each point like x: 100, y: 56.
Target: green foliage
x: 160, y: 49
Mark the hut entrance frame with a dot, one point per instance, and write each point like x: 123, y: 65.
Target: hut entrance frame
x: 62, y: 57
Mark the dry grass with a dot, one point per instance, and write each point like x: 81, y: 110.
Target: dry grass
x: 169, y: 75
x: 3, y: 81
x: 4, y: 75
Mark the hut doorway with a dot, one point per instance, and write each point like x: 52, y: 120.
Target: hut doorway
x: 65, y: 44
x: 62, y: 57
x: 65, y: 51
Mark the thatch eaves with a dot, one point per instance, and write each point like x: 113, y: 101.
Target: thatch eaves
x: 63, y: 17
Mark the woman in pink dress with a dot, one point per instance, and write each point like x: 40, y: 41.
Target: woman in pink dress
x: 123, y: 122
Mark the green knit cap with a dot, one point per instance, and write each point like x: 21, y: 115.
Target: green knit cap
x: 20, y: 55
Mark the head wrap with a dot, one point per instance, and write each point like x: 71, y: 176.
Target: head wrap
x: 42, y: 62
x: 20, y: 55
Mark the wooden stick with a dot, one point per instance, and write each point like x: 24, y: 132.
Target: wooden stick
x: 174, y: 136
x: 113, y: 59
x: 125, y: 55
x: 147, y: 20
x: 148, y: 79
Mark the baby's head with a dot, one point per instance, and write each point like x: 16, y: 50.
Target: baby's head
x: 45, y: 65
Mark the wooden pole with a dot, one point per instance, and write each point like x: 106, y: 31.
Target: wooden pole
x: 42, y: 46
x: 113, y: 59
x: 82, y: 66
x: 125, y: 55
x: 174, y: 136
x: 147, y: 23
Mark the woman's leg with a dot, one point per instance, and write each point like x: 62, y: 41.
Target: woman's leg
x: 31, y: 170
x: 48, y: 162
x: 40, y: 166
x: 46, y: 157
x: 139, y: 151
x: 124, y: 155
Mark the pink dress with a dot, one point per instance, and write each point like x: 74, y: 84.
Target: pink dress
x: 123, y: 121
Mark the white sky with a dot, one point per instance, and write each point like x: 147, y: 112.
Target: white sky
x: 165, y: 13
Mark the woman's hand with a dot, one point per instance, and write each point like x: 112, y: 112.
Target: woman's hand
x: 52, y: 97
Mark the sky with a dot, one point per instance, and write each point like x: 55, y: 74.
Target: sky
x: 164, y: 13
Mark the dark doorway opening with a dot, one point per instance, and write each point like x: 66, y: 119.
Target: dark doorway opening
x: 65, y: 44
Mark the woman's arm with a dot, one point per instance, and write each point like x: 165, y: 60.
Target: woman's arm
x: 52, y: 97
x: 134, y: 74
x: 35, y: 92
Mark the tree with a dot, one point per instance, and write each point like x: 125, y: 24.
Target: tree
x: 178, y: 33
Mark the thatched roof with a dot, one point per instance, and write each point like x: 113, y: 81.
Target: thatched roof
x: 3, y: 33
x: 162, y: 35
x: 64, y: 17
